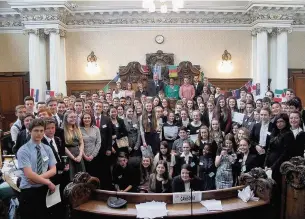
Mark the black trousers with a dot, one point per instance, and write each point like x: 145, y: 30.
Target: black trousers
x: 33, y: 203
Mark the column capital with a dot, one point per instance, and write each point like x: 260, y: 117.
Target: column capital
x: 60, y: 32
x: 29, y: 31
x: 38, y: 32
x: 279, y: 30
x: 257, y: 30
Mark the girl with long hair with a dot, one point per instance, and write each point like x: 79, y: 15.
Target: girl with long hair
x: 74, y: 144
x: 148, y: 128
x: 165, y: 155
x: 160, y: 181
x: 223, y: 114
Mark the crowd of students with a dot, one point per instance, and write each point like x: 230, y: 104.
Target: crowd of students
x: 133, y: 141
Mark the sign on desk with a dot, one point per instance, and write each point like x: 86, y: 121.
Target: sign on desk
x: 185, y: 197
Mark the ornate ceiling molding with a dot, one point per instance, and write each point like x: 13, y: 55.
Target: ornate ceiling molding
x: 73, y: 18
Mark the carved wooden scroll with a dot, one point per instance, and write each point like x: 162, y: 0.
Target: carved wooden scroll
x: 294, y: 172
x: 187, y: 69
x: 133, y: 73
x: 293, y: 188
x: 259, y: 182
x: 80, y: 189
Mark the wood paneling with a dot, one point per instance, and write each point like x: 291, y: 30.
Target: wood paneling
x: 296, y: 81
x: 14, y: 86
x: 229, y: 83
x: 76, y: 87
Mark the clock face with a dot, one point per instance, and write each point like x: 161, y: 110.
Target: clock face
x: 159, y: 39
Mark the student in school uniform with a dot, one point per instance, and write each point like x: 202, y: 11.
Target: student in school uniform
x: 29, y: 104
x: 186, y: 181
x: 24, y: 136
x: 38, y: 164
x: 20, y: 112
x: 55, y: 143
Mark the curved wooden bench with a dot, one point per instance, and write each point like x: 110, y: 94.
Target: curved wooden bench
x: 256, y: 178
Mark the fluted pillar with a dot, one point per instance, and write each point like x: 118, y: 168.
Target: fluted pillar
x: 282, y: 58
x: 54, y: 42
x: 63, y: 72
x: 37, y: 61
x: 262, y: 57
x: 273, y: 59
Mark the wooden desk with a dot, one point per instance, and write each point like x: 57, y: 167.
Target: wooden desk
x: 88, y: 202
x: 174, y: 210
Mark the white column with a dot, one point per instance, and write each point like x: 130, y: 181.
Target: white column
x: 43, y: 64
x: 254, y: 59
x: 55, y: 67
x: 262, y: 59
x: 63, y: 74
x: 273, y: 60
x: 37, y: 62
x: 282, y: 58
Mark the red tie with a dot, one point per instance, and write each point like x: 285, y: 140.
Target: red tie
x: 98, y: 121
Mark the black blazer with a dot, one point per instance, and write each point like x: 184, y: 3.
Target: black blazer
x: 199, y: 88
x: 106, y: 134
x: 178, y: 184
x: 193, y: 161
x: 299, y: 147
x: 139, y: 93
x: 58, y: 155
x: 251, y: 162
x: 22, y: 138
x: 255, y: 135
x: 153, y: 90
x: 248, y: 122
x: 121, y: 131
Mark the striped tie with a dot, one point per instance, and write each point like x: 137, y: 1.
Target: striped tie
x: 39, y: 160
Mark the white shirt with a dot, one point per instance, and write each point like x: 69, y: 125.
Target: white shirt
x: 263, y: 134
x: 14, y: 130
x: 59, y: 121
x: 186, y: 157
x: 53, y: 142
x: 187, y: 186
x: 296, y: 131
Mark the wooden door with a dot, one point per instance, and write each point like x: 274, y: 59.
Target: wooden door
x: 296, y: 81
x: 11, y: 95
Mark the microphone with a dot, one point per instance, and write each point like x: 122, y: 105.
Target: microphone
x: 191, y: 187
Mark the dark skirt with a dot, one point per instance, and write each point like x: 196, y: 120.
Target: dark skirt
x: 153, y: 139
x: 75, y: 167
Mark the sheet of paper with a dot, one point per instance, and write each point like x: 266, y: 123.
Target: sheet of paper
x: 238, y: 117
x: 151, y: 210
x: 53, y: 198
x: 212, y: 205
x: 170, y: 132
x: 194, y: 137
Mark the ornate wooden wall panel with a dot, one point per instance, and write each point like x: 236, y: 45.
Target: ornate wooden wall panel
x: 133, y: 73
x: 76, y: 87
x: 229, y: 83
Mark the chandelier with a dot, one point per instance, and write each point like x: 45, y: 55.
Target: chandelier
x: 151, y: 5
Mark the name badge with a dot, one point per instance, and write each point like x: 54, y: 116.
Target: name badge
x: 211, y: 174
x: 186, y: 197
x: 104, y: 126
x: 120, y: 176
x: 197, y: 131
x: 268, y: 133
x: 45, y: 158
x: 135, y: 125
x: 117, y: 125
x: 243, y: 169
x: 192, y: 164
x: 240, y: 160
x: 200, y: 163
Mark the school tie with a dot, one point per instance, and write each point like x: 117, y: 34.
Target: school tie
x: 98, y: 122
x: 28, y: 136
x: 39, y: 160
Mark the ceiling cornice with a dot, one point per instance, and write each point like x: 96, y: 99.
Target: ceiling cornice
x: 73, y: 18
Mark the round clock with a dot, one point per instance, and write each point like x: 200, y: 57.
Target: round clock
x: 159, y: 39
